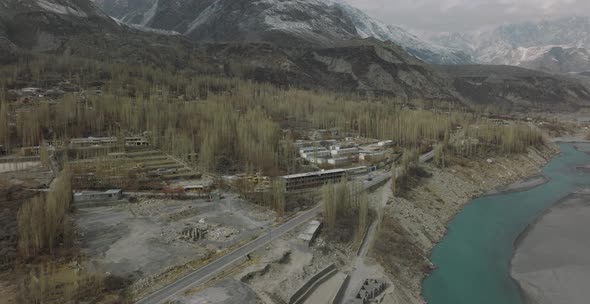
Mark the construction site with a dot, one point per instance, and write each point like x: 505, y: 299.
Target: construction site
x: 150, y: 217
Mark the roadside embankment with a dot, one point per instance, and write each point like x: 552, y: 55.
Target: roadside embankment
x: 411, y: 226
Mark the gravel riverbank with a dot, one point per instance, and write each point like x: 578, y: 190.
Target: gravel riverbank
x: 552, y: 259
x: 413, y: 225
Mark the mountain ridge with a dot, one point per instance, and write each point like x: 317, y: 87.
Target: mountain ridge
x: 558, y: 45
x: 286, y: 23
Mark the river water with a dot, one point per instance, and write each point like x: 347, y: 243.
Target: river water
x: 473, y: 259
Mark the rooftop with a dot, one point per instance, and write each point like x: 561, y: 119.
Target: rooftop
x: 315, y: 173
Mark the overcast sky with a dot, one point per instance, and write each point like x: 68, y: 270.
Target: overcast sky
x: 464, y: 15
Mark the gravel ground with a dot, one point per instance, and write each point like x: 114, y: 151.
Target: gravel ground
x: 142, y: 239
x: 552, y: 261
x: 228, y: 291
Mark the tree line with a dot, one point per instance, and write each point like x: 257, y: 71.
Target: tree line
x: 231, y: 124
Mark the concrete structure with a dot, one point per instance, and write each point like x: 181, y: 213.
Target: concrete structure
x: 92, y: 141
x: 98, y: 196
x: 30, y: 151
x: 340, y: 152
x: 303, y: 292
x: 31, y: 91
x: 309, y: 234
x: 315, y: 179
x: 136, y: 141
x: 340, y: 161
x: 385, y: 143
x: 371, y: 289
x: 195, y: 233
x: 308, y: 143
x: 308, y: 152
x: 318, y: 160
x: 357, y: 171
x: 202, y: 190
x: 372, y: 156
x: 132, y: 141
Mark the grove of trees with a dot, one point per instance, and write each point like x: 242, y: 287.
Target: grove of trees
x: 43, y: 222
x: 345, y: 211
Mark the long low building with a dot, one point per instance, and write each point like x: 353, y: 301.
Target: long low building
x: 98, y: 196
x: 315, y: 179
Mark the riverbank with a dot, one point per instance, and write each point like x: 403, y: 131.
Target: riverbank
x: 413, y: 225
x: 551, y: 261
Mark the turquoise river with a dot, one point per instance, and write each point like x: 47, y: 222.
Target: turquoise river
x: 473, y: 259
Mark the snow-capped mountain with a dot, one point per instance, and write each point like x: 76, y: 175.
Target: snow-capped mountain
x: 43, y: 24
x: 283, y: 22
x: 66, y: 8
x: 559, y: 45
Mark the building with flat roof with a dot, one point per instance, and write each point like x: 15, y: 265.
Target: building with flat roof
x: 98, y: 196
x: 354, y: 151
x: 302, y: 181
x: 92, y: 141
x: 340, y: 161
x: 136, y: 141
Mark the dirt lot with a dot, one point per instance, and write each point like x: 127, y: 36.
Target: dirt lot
x: 145, y: 238
x: 228, y: 291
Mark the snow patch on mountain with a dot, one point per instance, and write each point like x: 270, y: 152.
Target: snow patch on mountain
x: 314, y: 22
x: 147, y: 17
x: 60, y: 9
x: 559, y: 45
x: 204, y: 16
x: 153, y: 30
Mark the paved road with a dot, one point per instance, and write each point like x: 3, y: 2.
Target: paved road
x: 208, y: 271
x: 205, y: 273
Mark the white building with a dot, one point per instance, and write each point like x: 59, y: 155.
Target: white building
x: 341, y: 152
x: 313, y: 152
x: 318, y: 160
x: 385, y: 143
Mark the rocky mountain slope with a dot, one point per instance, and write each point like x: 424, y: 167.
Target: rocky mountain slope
x: 44, y: 24
x: 559, y: 45
x: 365, y: 66
x: 517, y: 89
x: 77, y: 28
x: 285, y: 23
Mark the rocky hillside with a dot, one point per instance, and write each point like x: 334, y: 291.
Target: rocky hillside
x: 355, y: 66
x: 285, y: 23
x: 559, y: 45
x: 44, y: 25
x: 78, y: 28
x: 517, y: 89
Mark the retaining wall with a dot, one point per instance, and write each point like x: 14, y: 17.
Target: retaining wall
x: 308, y: 287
